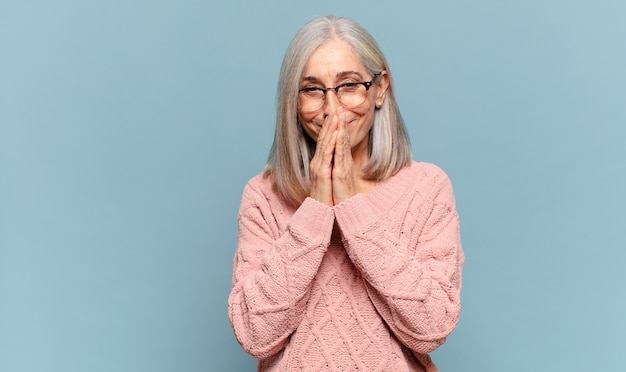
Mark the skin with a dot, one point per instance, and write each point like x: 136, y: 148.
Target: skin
x: 341, y: 135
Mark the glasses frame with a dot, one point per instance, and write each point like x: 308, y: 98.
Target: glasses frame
x: 366, y: 84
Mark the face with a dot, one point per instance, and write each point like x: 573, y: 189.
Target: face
x: 332, y: 64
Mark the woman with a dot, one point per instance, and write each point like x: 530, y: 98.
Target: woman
x: 348, y: 256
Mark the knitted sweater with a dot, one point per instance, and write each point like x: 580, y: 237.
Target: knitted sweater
x: 371, y: 284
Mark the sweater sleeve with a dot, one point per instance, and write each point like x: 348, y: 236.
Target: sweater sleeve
x: 413, y: 275
x: 272, y: 270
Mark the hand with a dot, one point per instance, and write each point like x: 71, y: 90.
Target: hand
x: 321, y: 166
x: 344, y: 185
x: 332, y: 174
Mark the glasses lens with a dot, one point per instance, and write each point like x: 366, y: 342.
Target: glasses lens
x: 349, y: 95
x: 352, y: 95
x: 311, y: 100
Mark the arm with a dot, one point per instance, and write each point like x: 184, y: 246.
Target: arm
x: 272, y: 271
x: 413, y: 276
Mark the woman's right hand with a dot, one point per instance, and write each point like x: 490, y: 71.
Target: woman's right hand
x: 321, y: 165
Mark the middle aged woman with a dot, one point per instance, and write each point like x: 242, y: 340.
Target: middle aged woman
x: 349, y: 254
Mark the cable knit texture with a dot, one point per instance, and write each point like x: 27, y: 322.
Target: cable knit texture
x: 371, y: 284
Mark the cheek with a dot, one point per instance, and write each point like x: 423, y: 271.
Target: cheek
x: 364, y: 119
x: 309, y: 127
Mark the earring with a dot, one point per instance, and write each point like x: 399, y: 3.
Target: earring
x: 379, y: 104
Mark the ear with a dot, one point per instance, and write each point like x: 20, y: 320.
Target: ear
x: 381, y: 91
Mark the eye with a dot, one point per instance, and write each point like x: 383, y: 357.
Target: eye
x: 349, y: 87
x: 312, y: 91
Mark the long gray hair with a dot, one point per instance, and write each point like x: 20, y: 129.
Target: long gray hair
x: 292, y: 150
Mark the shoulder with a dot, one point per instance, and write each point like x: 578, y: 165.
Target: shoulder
x: 418, y: 181
x: 257, y: 188
x: 425, y: 169
x: 422, y: 174
x: 428, y: 180
x: 260, y: 191
x: 258, y: 183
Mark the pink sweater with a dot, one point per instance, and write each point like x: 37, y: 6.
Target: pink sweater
x: 371, y: 284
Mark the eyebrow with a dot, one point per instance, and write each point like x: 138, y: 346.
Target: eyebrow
x: 339, y: 75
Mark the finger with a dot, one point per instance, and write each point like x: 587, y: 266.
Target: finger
x: 321, y: 146
x: 329, y: 147
x: 342, y: 117
x: 324, y: 153
x: 341, y: 126
x: 339, y: 148
x: 330, y: 136
x: 328, y: 127
x: 323, y: 131
x: 330, y: 122
x: 342, y: 145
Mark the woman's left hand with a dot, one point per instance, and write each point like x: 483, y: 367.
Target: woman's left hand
x: 343, y: 174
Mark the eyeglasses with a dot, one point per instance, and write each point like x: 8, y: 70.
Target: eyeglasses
x: 350, y: 95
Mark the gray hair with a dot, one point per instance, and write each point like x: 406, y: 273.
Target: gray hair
x: 292, y: 149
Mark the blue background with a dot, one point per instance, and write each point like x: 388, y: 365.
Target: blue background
x: 129, y: 128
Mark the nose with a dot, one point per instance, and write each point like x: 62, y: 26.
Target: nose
x: 331, y: 102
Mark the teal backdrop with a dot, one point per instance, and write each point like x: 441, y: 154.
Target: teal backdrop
x: 129, y: 128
